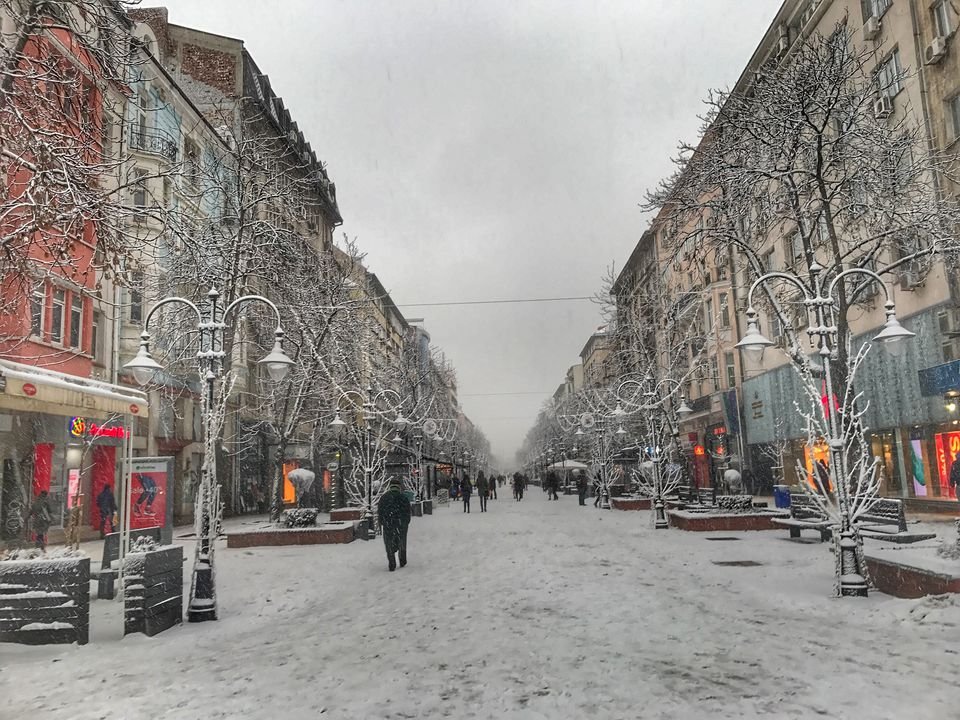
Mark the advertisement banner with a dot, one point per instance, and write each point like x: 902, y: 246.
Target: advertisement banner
x: 151, y: 493
x: 948, y: 447
x: 916, y: 466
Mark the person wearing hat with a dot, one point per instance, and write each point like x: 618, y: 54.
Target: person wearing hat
x: 393, y: 512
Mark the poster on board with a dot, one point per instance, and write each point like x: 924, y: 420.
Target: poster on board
x: 151, y: 495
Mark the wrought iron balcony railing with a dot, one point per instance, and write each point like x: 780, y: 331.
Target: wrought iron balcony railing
x: 153, y: 143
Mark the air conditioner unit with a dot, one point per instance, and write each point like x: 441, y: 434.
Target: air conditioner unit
x: 909, y: 279
x: 883, y: 107
x: 871, y: 28
x: 935, y: 51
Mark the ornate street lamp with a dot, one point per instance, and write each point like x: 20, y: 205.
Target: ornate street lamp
x: 820, y: 299
x: 210, y: 354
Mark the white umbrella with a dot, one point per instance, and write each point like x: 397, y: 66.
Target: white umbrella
x: 567, y: 465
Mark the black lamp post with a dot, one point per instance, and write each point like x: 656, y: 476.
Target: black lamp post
x: 210, y: 354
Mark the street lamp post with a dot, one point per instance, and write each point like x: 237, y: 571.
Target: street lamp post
x: 818, y: 299
x: 210, y: 354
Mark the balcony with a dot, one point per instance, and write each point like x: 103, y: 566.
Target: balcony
x: 153, y: 143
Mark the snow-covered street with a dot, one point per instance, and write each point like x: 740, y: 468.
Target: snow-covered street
x: 533, y: 610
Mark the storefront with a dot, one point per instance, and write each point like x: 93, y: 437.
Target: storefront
x: 63, y: 435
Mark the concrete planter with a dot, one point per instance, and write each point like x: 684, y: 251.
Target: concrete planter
x: 712, y: 522
x: 153, y: 591
x: 43, y: 602
x: 628, y: 503
x: 427, y: 507
x: 332, y: 533
x: 346, y: 514
x: 908, y: 581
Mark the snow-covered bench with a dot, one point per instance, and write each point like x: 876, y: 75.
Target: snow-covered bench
x: 695, y: 496
x: 805, y: 514
x: 888, y: 513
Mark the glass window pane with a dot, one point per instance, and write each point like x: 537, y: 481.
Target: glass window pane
x: 56, y: 324
x: 76, y: 320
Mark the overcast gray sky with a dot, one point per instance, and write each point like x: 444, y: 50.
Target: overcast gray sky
x: 494, y: 149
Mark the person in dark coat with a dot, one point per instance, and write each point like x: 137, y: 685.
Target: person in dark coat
x: 483, y: 490
x: 955, y: 475
x: 41, y: 519
x: 553, y: 484
x: 598, y: 489
x: 493, y: 486
x: 393, y: 512
x: 521, y: 485
x: 581, y: 487
x: 107, y: 505
x: 466, y: 489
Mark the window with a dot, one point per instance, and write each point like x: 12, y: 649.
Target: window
x: 37, y: 301
x: 731, y: 367
x: 136, y: 297
x: 191, y: 161
x: 724, y: 310
x: 139, y: 189
x: 889, y: 75
x: 76, y: 320
x: 714, y: 373
x: 106, y: 136
x: 96, y: 336
x: 709, y: 313
x: 874, y: 8
x: 941, y: 18
x: 953, y: 116
x: 793, y: 248
x: 58, y: 307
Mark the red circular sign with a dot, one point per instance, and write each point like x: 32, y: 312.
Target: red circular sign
x: 29, y: 389
x: 134, y: 409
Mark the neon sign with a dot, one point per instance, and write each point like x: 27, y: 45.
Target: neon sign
x: 80, y: 428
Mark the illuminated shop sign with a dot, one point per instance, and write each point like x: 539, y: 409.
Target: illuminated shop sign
x: 79, y: 427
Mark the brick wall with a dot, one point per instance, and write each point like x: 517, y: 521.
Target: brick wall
x: 211, y: 67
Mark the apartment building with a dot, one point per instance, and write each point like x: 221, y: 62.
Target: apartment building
x: 597, y: 360
x: 64, y: 425
x: 741, y: 406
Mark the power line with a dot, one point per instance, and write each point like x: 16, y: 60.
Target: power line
x: 538, y: 392
x: 497, y: 302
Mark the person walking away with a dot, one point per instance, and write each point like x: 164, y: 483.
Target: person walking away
x: 516, y: 486
x: 41, y: 519
x: 553, y: 480
x: 493, y: 486
x: 483, y: 490
x: 393, y: 512
x: 955, y: 475
x: 466, y: 489
x: 581, y: 487
x: 107, y: 506
x: 522, y: 485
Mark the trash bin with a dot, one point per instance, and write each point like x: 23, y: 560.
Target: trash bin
x: 781, y: 496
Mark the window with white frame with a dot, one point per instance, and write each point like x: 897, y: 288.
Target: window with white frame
x: 76, y: 320
x: 58, y: 308
x: 37, y: 301
x: 731, y: 368
x: 941, y: 18
x: 135, y: 294
x: 96, y: 336
x: 889, y: 75
x: 724, y: 310
x: 140, y: 188
x: 953, y: 116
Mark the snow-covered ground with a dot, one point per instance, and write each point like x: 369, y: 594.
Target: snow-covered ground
x: 532, y: 610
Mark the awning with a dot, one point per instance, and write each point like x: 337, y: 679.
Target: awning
x: 34, y: 389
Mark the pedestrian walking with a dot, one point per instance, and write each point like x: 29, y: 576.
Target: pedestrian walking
x: 493, y: 486
x: 393, y: 512
x: 581, y: 486
x: 955, y: 475
x: 483, y: 490
x: 521, y: 486
x: 41, y: 519
x: 466, y: 489
x: 553, y: 484
x: 107, y: 506
x: 597, y: 489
